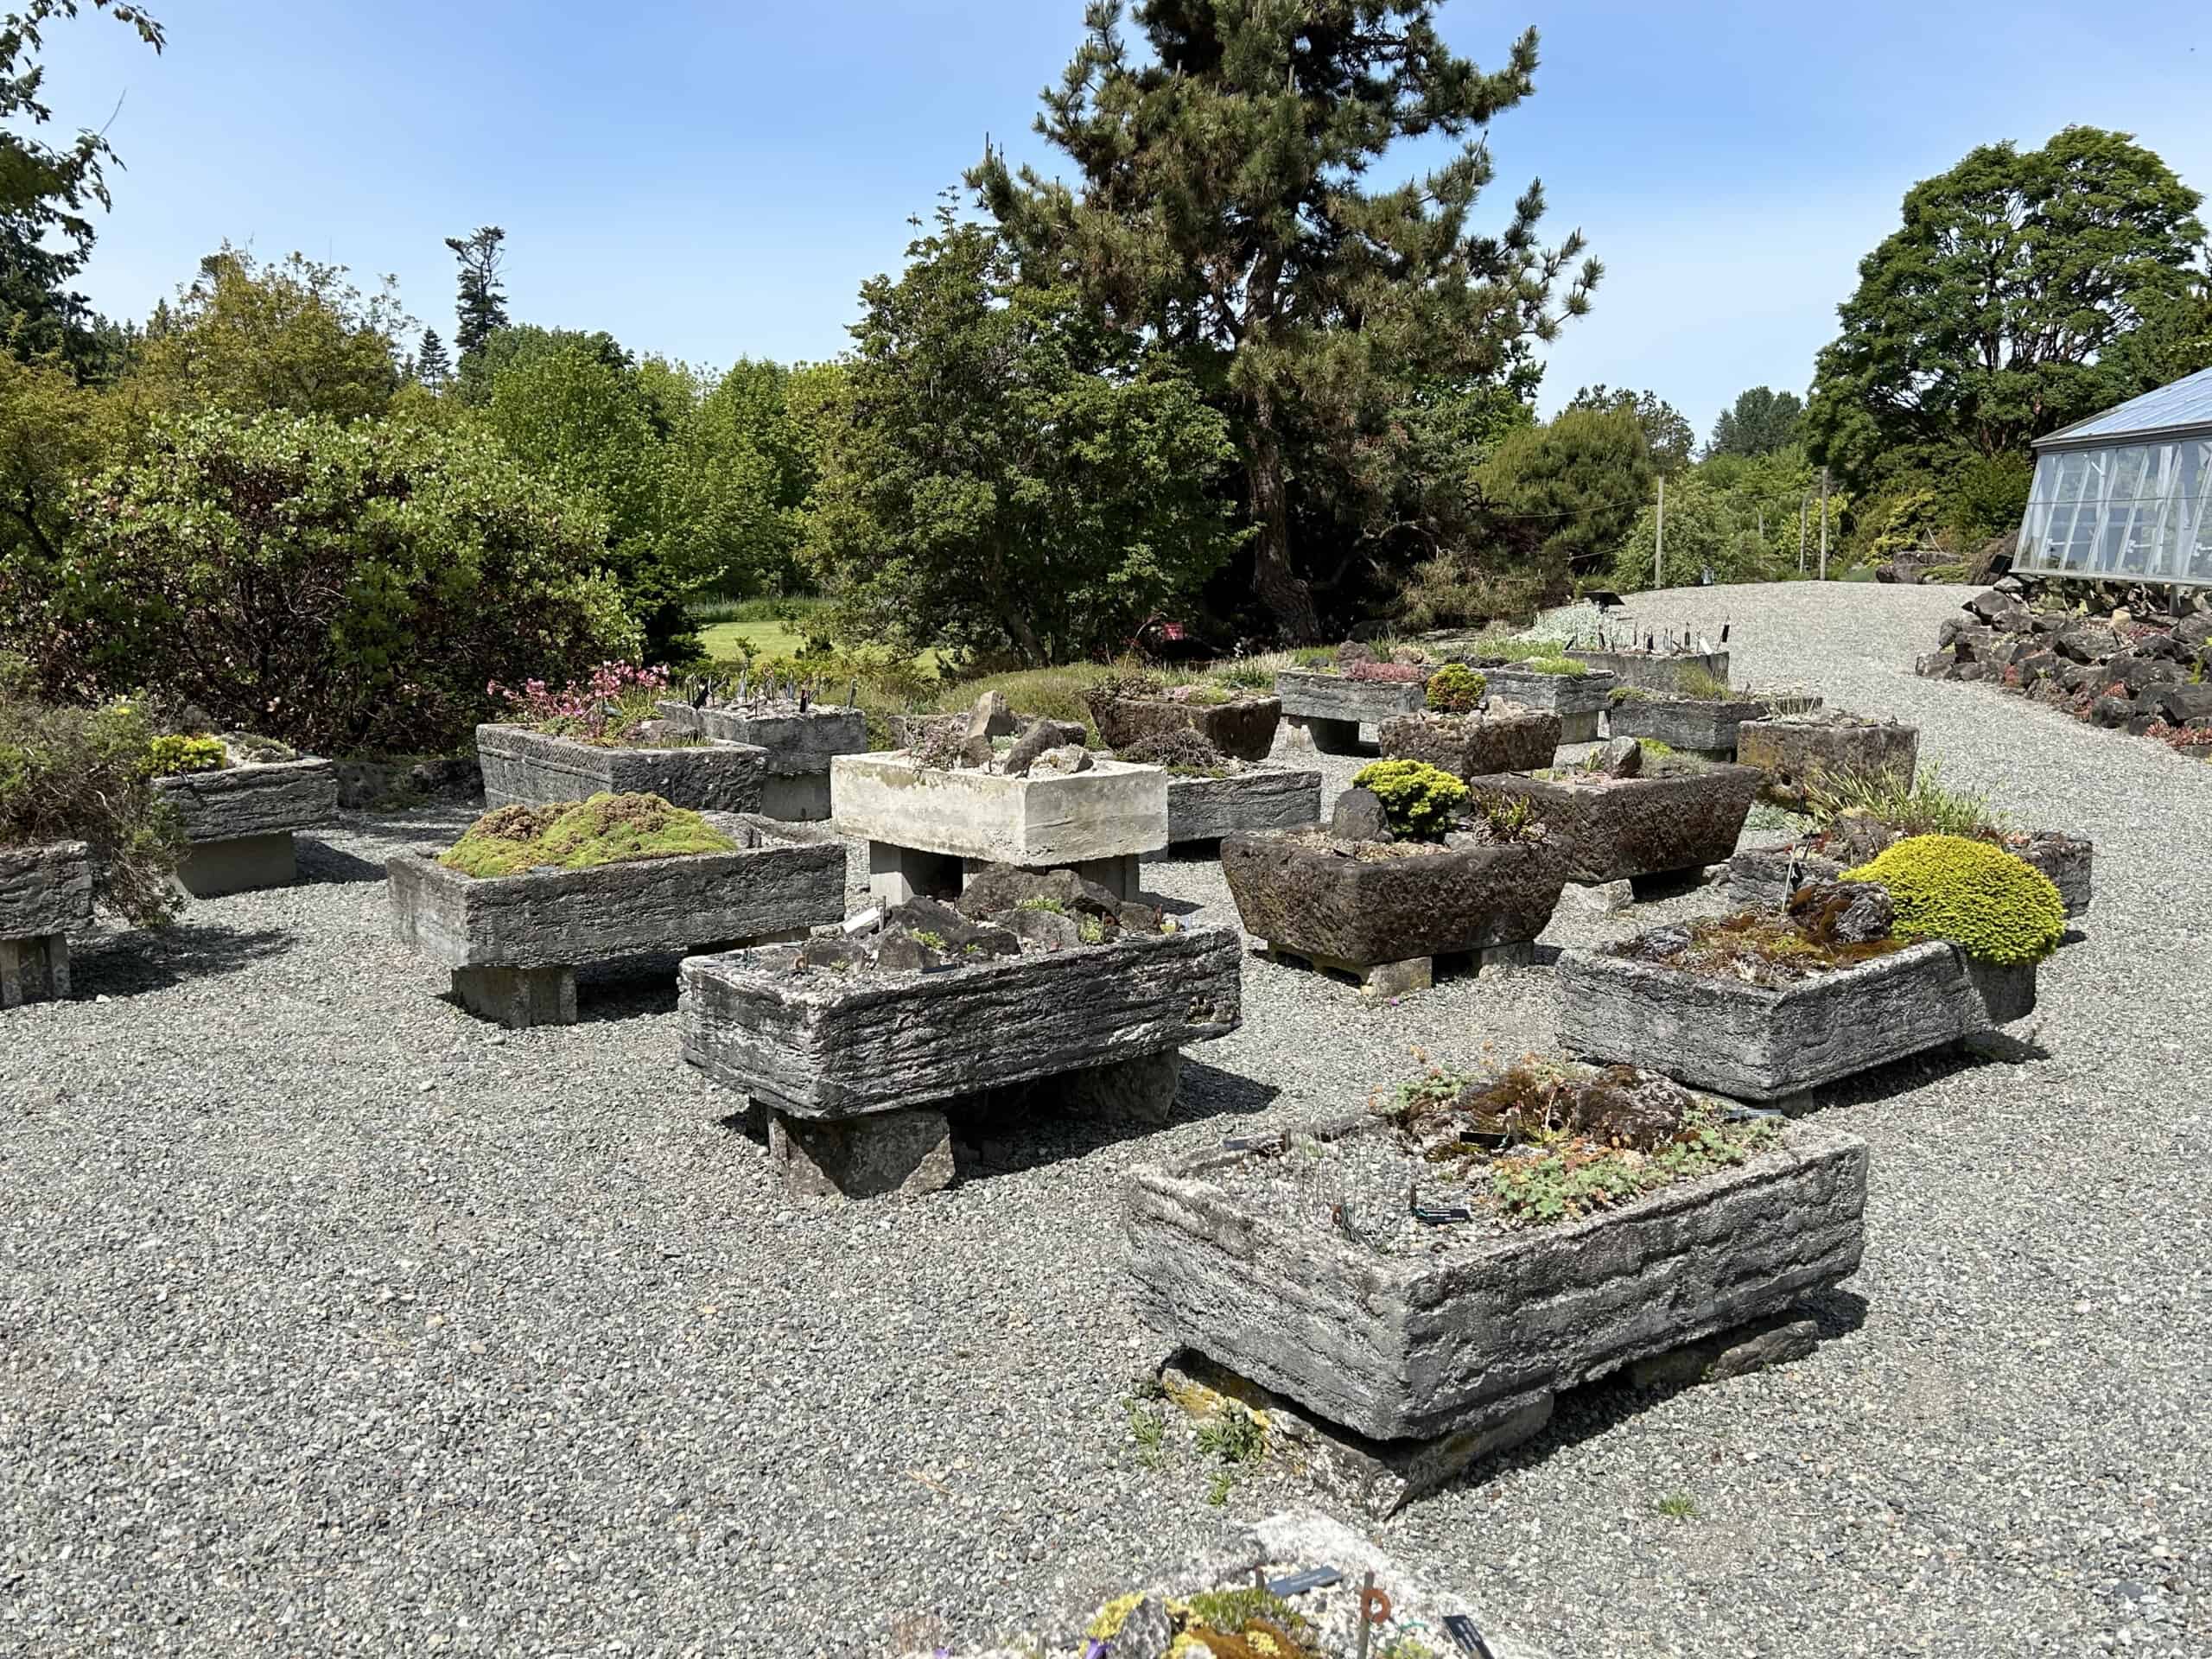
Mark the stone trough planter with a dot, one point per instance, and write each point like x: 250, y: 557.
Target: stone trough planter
x: 1384, y: 920
x: 1576, y: 699
x: 1424, y: 1363
x: 1330, y: 708
x: 1765, y: 876
x: 1498, y: 738
x: 1650, y: 830
x: 1699, y: 725
x: 861, y: 1076
x: 795, y: 782
x: 1243, y: 729
x: 1247, y: 800
x: 527, y: 768
x: 928, y: 828
x: 239, y: 820
x: 1770, y: 1043
x: 1654, y: 670
x: 45, y: 894
x: 514, y: 942
x: 1794, y: 750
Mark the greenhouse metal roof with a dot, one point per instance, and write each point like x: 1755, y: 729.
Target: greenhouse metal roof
x: 2183, y: 408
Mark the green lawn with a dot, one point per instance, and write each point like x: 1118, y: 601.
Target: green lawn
x: 725, y: 639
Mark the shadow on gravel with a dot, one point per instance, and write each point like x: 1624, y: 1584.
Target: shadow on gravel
x: 131, y: 964
x: 325, y: 865
x: 1916, y: 1071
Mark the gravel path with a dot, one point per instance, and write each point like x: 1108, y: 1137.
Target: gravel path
x: 332, y: 1321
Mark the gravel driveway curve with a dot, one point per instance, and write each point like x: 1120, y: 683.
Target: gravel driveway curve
x: 333, y: 1322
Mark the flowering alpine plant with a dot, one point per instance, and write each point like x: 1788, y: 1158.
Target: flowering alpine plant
x: 610, y: 682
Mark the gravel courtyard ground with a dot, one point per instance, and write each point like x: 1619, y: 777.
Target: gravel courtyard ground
x: 332, y: 1321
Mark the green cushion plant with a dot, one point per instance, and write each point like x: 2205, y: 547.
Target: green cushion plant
x: 1418, y: 800
x: 1566, y: 667
x: 579, y: 834
x: 1981, y: 898
x: 1455, y: 689
x: 171, y: 756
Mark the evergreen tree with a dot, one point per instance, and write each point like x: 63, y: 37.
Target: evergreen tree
x: 1667, y: 431
x: 432, y: 367
x: 480, y: 311
x: 1222, y: 209
x: 1761, y: 421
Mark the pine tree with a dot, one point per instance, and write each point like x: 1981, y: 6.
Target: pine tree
x: 432, y: 366
x: 481, y: 309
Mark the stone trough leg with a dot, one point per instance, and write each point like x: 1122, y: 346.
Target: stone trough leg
x: 518, y: 998
x: 1328, y: 736
x: 245, y: 864
x: 1410, y: 973
x: 33, y: 969
x: 897, y: 875
x: 1579, y: 728
x: 801, y: 797
x: 1665, y: 884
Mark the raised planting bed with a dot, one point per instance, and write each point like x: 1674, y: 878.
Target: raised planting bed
x: 1768, y: 875
x: 1701, y: 726
x: 45, y: 894
x: 239, y: 820
x: 1576, y: 699
x: 1501, y: 738
x: 1383, y: 911
x: 514, y: 942
x: 1242, y: 727
x: 1656, y: 671
x: 1041, y: 990
x: 1329, y: 707
x: 929, y: 828
x: 1428, y: 1281
x: 527, y: 768
x: 799, y: 743
x: 1679, y: 816
x: 1792, y: 750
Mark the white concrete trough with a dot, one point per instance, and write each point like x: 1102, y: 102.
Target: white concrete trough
x: 45, y: 894
x: 514, y: 942
x: 240, y: 821
x: 928, y: 828
x: 527, y: 768
x: 799, y: 747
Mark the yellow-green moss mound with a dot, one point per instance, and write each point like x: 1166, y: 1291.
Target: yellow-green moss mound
x: 576, y: 836
x: 1979, y: 897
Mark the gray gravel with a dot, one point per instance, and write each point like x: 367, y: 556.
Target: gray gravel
x: 332, y: 1321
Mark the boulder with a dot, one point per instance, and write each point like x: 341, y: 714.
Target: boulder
x: 2181, y: 703
x: 2088, y: 642
x: 1358, y: 815
x: 1622, y: 757
x: 1844, y: 912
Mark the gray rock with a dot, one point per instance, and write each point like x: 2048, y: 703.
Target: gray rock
x: 1032, y: 743
x: 1149, y: 1630
x: 1622, y: 757
x: 2182, y: 703
x: 990, y: 717
x: 1044, y: 928
x: 1358, y: 815
x: 1845, y: 912
x: 1062, y: 761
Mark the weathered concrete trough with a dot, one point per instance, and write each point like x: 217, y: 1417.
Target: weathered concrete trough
x: 1440, y: 1358
x: 860, y: 1074
x: 1794, y: 750
x: 1501, y: 738
x: 1576, y: 699
x: 45, y: 894
x: 1242, y: 728
x: 514, y: 942
x: 1643, y: 829
x: 1764, y: 877
x: 1383, y: 919
x: 1654, y: 670
x: 1330, y: 708
x: 1766, y: 1043
x: 239, y: 820
x: 1701, y: 726
x: 799, y: 747
x: 929, y: 828
x: 527, y: 768
x: 1246, y: 800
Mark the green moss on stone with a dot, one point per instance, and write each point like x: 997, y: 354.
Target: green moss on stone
x: 581, y: 835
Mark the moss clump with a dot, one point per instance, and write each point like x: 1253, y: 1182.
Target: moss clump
x: 1455, y: 689
x: 1981, y: 898
x: 1566, y: 667
x: 581, y: 835
x: 171, y: 756
x: 1418, y: 800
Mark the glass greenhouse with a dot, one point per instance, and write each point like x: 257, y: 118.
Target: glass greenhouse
x: 2126, y: 495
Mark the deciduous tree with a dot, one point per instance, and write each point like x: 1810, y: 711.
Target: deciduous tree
x: 1760, y: 422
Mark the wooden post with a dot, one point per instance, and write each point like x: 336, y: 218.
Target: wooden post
x: 1804, y: 502
x: 1824, y: 524
x: 1659, y: 539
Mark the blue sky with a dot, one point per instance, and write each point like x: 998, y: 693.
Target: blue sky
x: 710, y: 181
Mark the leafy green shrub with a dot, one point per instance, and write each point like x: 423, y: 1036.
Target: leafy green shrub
x: 349, y: 589
x: 170, y: 756
x: 1418, y: 799
x: 1978, y: 897
x: 86, y: 774
x: 579, y: 834
x: 1455, y: 689
x: 1695, y: 682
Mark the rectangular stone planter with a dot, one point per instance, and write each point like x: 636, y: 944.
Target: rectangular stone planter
x: 1384, y: 920
x: 1330, y: 708
x: 1703, y: 727
x: 515, y: 942
x: 239, y: 821
x: 1498, y: 738
x: 1578, y: 700
x: 1764, y: 877
x: 928, y: 828
x: 1758, y: 1042
x: 526, y: 768
x: 1650, y: 670
x: 45, y: 894
x: 800, y: 747
x: 1637, y: 828
x: 1246, y: 801
x: 1243, y: 729
x: 858, y: 1075
x: 1419, y: 1347
x: 1791, y: 752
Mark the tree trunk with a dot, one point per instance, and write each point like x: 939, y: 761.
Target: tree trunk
x: 1280, y: 587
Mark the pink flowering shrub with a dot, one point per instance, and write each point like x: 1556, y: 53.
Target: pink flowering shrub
x: 607, y: 707
x: 1396, y: 673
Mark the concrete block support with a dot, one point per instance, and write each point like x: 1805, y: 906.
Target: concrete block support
x: 33, y: 970
x: 242, y: 864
